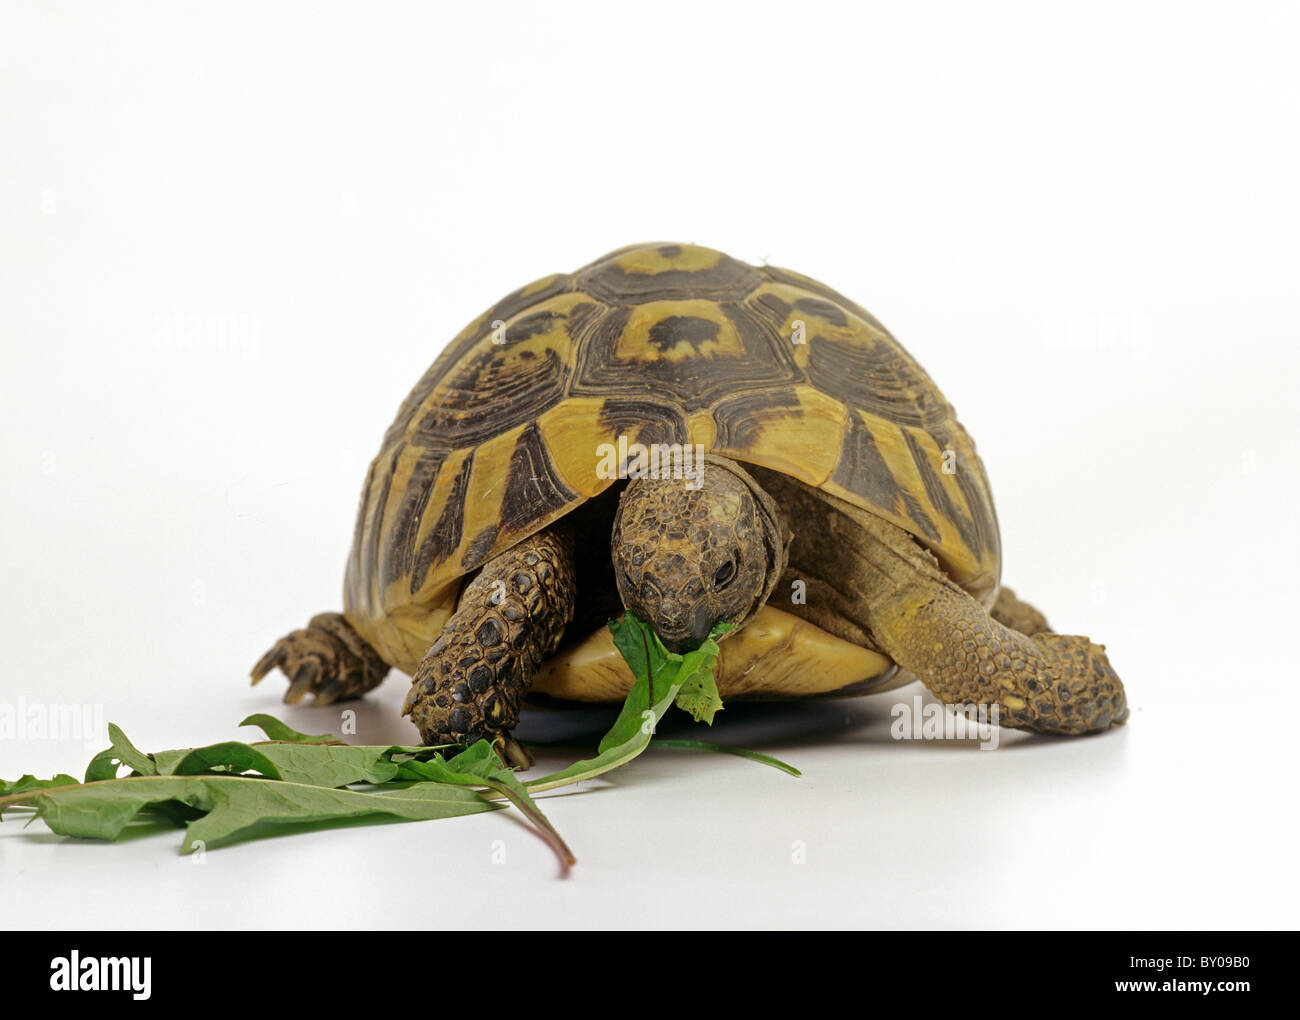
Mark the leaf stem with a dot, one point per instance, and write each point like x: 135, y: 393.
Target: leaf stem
x: 740, y: 752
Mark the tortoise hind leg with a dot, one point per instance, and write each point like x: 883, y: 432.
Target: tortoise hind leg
x: 327, y: 658
x: 472, y: 681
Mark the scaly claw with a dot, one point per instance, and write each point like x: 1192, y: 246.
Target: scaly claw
x: 328, y: 659
x: 331, y: 691
x: 304, y: 680
x: 269, y: 661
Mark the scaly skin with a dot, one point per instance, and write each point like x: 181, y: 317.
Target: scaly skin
x: 472, y: 681
x: 686, y: 559
x: 898, y: 595
x: 1051, y: 683
x: 328, y: 659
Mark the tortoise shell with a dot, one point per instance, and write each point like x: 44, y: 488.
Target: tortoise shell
x: 660, y: 343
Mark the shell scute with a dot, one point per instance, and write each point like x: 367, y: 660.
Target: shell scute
x: 659, y: 343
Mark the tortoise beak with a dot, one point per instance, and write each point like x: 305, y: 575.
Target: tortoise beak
x: 682, y: 642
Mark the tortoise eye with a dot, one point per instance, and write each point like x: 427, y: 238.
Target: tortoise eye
x: 723, y: 575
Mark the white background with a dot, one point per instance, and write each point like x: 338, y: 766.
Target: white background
x: 232, y: 237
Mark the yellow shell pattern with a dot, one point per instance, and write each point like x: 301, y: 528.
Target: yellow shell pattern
x: 659, y: 343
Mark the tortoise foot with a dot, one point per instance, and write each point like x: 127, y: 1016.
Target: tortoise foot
x: 471, y: 683
x: 328, y: 659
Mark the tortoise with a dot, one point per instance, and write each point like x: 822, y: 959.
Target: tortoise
x: 675, y: 432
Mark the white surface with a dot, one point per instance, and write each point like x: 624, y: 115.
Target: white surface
x: 231, y: 238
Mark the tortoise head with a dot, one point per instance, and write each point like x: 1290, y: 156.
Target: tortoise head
x: 689, y: 556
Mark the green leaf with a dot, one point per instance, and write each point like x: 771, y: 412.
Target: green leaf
x: 613, y: 756
x: 331, y: 765
x: 290, y: 803
x: 232, y: 757
x: 699, y: 696
x: 102, y: 766
x: 276, y: 730
x: 660, y: 668
x: 28, y: 783
x: 700, y: 745
x: 643, y: 652
x: 122, y: 750
x: 304, y: 779
x: 478, y: 765
x: 328, y: 765
x: 235, y: 806
x: 660, y: 676
x: 639, y: 645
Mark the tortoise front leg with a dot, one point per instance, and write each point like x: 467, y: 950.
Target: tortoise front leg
x: 1052, y: 683
x: 472, y: 681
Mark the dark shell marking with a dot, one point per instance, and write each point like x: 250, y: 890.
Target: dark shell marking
x: 664, y: 344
